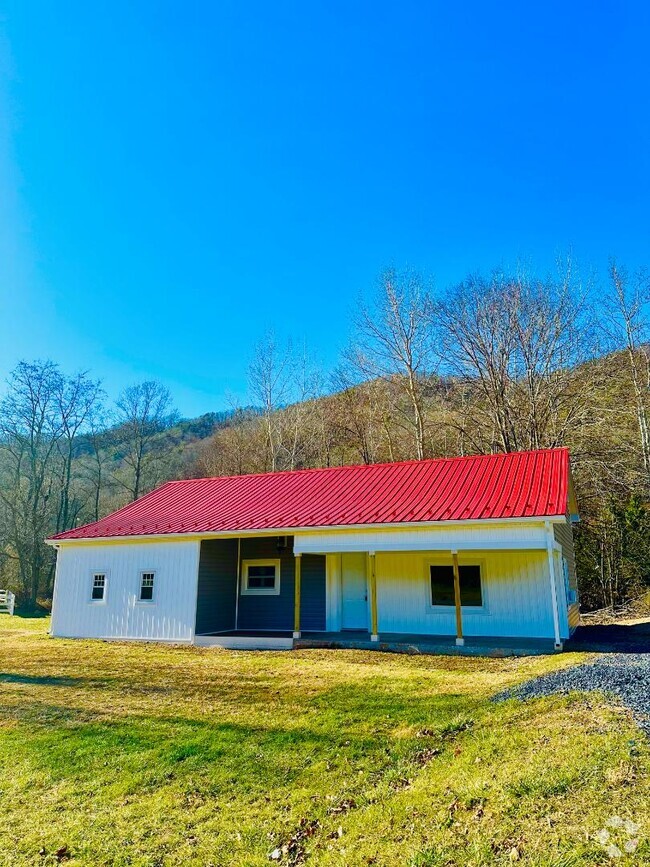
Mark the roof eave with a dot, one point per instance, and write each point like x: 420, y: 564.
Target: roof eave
x: 290, y: 531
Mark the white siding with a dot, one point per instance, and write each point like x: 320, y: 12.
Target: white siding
x: 516, y: 591
x: 171, y: 615
x: 479, y: 536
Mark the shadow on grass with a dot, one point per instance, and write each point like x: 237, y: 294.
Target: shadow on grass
x: 31, y: 613
x: 145, y: 753
x: 118, y: 684
x: 42, y: 680
x: 352, y: 723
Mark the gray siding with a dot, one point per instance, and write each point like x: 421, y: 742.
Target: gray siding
x: 269, y: 612
x: 217, y: 589
x: 312, y: 592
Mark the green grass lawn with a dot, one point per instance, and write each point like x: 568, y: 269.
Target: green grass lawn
x: 131, y: 754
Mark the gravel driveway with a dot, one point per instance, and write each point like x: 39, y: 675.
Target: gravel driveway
x: 623, y: 675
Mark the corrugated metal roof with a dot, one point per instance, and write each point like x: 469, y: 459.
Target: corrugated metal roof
x: 517, y: 485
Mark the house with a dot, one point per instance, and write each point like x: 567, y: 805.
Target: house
x: 468, y: 554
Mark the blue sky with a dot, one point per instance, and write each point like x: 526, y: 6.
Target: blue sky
x: 179, y: 177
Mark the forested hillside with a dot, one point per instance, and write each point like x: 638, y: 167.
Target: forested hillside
x: 502, y: 363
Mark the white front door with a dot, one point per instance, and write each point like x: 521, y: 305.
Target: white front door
x: 354, y: 592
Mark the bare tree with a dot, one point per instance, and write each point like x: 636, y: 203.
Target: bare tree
x: 143, y: 413
x: 626, y: 326
x: 95, y: 470
x: 78, y: 399
x: 393, y: 342
x: 362, y: 415
x: 515, y: 343
x: 270, y: 376
x: 30, y: 431
x: 299, y: 422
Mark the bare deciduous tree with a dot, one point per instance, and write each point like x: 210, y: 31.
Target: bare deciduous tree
x: 393, y: 342
x: 78, y: 400
x: 269, y: 375
x: 515, y: 342
x: 626, y: 326
x: 30, y: 431
x: 95, y: 469
x: 143, y: 413
x: 283, y: 384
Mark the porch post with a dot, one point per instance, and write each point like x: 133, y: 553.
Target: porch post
x: 374, y: 633
x: 296, y: 602
x: 459, y: 615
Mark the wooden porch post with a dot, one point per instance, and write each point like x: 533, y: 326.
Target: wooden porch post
x: 459, y: 615
x: 374, y: 633
x: 296, y: 602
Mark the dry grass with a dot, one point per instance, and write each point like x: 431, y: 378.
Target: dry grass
x: 118, y: 754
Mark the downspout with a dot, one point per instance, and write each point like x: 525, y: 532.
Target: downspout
x: 550, y: 539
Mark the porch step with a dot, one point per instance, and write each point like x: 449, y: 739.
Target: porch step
x: 245, y: 642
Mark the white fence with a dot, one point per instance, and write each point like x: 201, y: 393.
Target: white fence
x: 7, y: 601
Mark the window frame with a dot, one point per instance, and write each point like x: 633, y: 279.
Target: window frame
x: 261, y: 591
x: 450, y: 609
x: 93, y: 575
x: 139, y: 600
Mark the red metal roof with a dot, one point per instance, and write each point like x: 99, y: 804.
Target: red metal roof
x: 516, y: 485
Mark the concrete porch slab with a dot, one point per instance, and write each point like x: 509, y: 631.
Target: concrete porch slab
x: 428, y: 644
x: 246, y: 640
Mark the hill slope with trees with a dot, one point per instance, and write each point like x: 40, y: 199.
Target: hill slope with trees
x: 499, y: 363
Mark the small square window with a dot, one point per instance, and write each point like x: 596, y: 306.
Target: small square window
x: 99, y: 587
x: 442, y: 585
x: 261, y: 577
x: 146, y: 586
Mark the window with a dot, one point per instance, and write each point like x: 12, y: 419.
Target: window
x: 146, y: 586
x: 99, y: 587
x: 260, y: 577
x: 442, y: 585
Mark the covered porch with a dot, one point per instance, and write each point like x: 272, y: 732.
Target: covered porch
x: 255, y: 591
x: 414, y: 593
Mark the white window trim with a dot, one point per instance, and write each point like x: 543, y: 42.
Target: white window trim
x: 451, y: 609
x: 152, y: 601
x: 259, y: 591
x: 101, y: 601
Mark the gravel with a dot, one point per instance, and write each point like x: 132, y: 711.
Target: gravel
x: 626, y: 676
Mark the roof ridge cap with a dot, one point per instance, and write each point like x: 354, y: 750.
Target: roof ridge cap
x: 363, y: 466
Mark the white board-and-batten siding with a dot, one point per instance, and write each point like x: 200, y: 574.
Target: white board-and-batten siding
x: 515, y: 591
x: 515, y: 574
x: 169, y: 617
